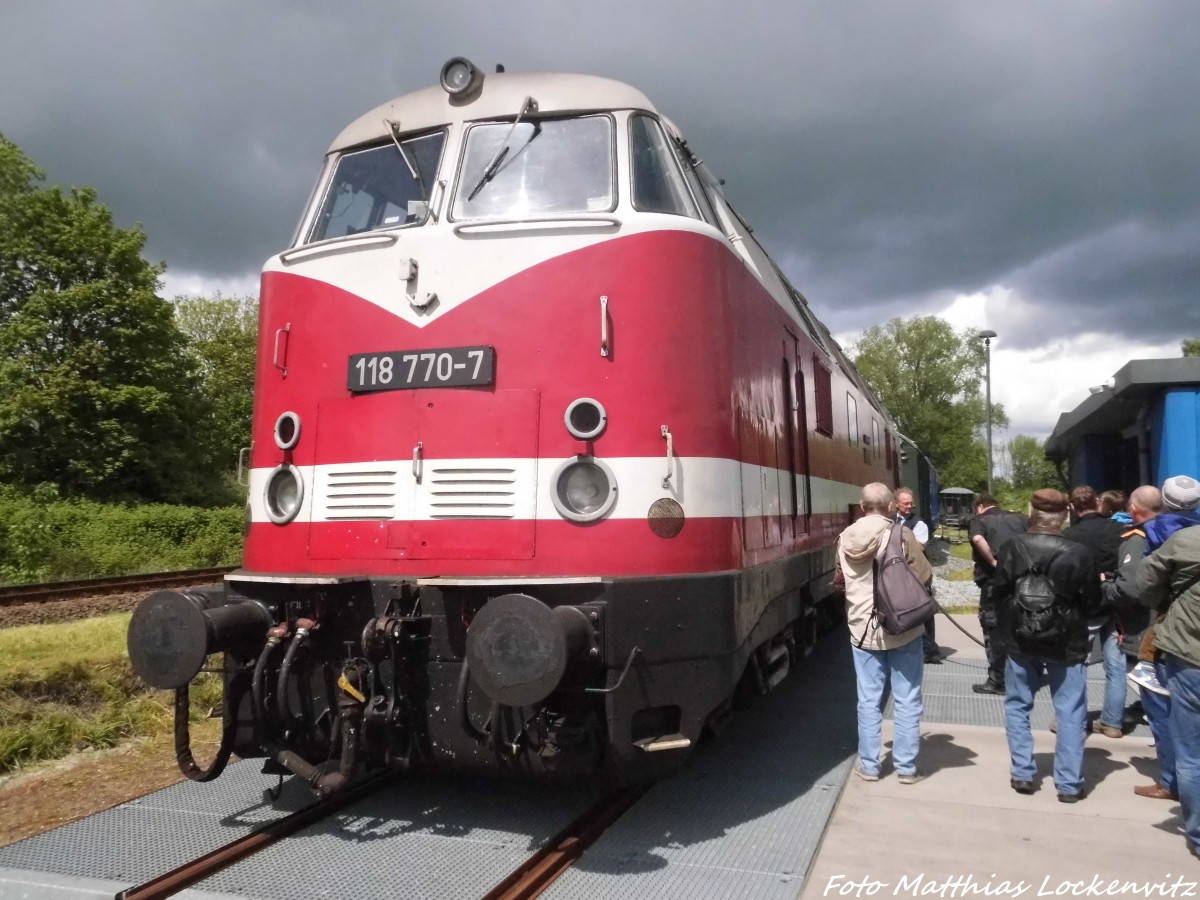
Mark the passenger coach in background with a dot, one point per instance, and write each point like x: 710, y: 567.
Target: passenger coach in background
x: 548, y: 455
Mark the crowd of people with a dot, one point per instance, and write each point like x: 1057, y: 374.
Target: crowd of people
x: 1075, y: 570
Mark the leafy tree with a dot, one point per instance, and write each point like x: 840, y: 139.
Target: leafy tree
x: 1030, y: 468
x: 931, y: 380
x: 1191, y: 347
x: 97, y: 393
x: 222, y: 337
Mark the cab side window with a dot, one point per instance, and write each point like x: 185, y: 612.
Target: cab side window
x: 658, y: 184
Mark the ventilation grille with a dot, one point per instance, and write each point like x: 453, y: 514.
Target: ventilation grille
x: 471, y: 493
x: 360, y: 495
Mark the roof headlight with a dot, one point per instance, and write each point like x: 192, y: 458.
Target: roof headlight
x: 584, y: 490
x: 460, y: 78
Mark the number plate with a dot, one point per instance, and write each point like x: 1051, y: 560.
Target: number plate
x: 447, y: 367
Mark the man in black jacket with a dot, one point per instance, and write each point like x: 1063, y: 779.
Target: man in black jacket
x: 1059, y: 649
x: 990, y: 531
x: 1102, y: 536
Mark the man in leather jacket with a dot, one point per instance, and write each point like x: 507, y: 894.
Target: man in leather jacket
x: 1076, y: 586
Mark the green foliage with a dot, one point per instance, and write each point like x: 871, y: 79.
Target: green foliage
x: 69, y: 687
x: 98, y: 395
x: 932, y: 381
x: 1191, y: 347
x: 44, y: 540
x: 1030, y: 468
x: 222, y: 337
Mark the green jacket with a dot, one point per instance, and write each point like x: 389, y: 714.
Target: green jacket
x: 1169, y: 579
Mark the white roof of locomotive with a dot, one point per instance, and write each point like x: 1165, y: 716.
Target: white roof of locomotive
x: 502, y: 96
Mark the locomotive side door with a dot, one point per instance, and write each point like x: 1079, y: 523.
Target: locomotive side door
x: 798, y: 433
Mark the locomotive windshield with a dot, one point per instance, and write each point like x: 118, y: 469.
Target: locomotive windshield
x: 537, y: 168
x: 384, y: 187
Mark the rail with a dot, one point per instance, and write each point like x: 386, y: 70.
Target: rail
x: 90, y: 587
x: 170, y: 883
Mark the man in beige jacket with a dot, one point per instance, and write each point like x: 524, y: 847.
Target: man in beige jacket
x: 881, y: 658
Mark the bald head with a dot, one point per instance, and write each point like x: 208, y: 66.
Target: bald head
x: 1145, y: 503
x: 876, y: 498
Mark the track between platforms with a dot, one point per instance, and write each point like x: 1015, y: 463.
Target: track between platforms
x: 61, y: 590
x: 190, y: 873
x: 528, y: 880
x: 541, y: 869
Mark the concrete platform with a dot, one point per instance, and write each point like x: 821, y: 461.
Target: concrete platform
x: 964, y: 821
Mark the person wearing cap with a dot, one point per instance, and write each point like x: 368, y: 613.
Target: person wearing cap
x: 1169, y: 581
x: 1071, y: 571
x: 1180, y: 497
x: 1102, y: 536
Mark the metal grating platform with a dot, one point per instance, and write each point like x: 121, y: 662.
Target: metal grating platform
x: 745, y: 817
x: 418, y: 839
x: 133, y: 842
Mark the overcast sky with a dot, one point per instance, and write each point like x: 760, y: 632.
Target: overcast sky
x: 1028, y: 166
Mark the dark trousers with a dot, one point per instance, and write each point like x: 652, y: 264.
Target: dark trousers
x: 929, y: 639
x: 996, y: 657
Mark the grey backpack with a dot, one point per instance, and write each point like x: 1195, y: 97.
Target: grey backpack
x: 902, y: 602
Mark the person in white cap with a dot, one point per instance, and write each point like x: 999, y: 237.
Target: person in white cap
x: 1180, y: 497
x: 1169, y: 580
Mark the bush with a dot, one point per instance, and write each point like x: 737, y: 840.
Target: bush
x: 52, y: 539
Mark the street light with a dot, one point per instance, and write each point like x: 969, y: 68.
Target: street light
x: 987, y: 350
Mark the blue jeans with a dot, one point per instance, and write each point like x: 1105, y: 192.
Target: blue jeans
x: 1183, y: 680
x: 903, y: 668
x: 1158, y: 710
x: 1115, y: 670
x: 1068, y: 689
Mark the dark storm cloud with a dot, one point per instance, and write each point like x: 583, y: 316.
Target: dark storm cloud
x: 890, y: 156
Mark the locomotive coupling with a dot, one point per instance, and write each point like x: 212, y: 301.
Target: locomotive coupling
x: 172, y: 632
x: 519, y: 650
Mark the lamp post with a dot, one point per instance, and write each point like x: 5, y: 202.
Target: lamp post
x: 987, y: 351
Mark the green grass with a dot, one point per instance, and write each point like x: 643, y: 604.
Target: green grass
x: 69, y: 687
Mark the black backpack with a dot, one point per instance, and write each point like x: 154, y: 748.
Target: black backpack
x: 1037, y: 613
x: 902, y: 602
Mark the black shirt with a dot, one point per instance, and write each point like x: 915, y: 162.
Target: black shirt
x: 997, y: 526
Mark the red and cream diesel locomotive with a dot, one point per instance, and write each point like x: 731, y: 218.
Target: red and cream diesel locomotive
x: 547, y: 454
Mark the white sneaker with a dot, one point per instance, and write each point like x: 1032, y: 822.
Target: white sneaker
x: 1143, y: 675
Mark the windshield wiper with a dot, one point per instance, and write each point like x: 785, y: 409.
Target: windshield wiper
x: 411, y: 162
x: 529, y: 106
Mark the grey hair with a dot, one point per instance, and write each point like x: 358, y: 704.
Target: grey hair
x: 877, y: 497
x: 1147, y: 498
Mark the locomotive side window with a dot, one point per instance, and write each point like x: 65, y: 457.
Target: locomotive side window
x: 824, y: 390
x: 542, y: 167
x: 383, y: 187
x: 852, y: 419
x: 658, y: 184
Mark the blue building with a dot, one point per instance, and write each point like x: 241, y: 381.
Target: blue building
x: 1142, y: 428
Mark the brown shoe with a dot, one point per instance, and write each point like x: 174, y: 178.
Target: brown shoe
x: 1107, y: 730
x: 1155, y: 792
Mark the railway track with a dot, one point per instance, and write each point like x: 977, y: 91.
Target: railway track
x: 90, y: 587
x: 528, y: 880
